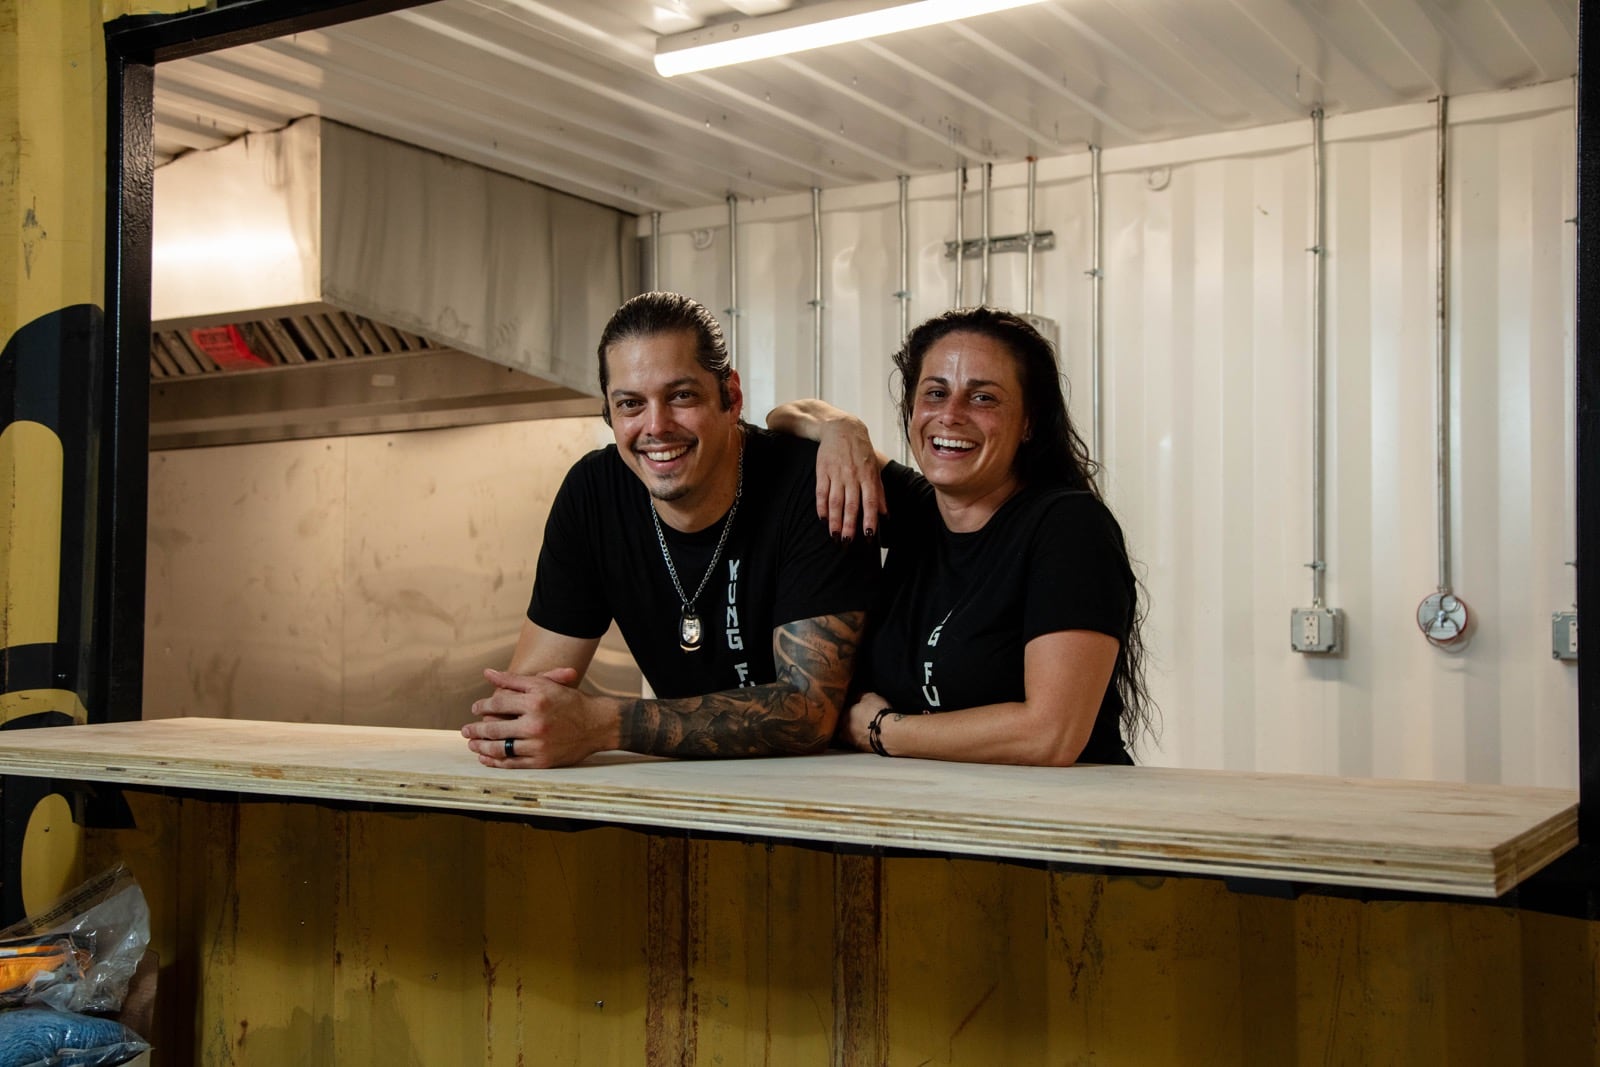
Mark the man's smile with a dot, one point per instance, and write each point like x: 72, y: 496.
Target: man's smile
x: 665, y: 455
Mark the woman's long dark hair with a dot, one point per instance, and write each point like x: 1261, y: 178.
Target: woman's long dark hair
x: 1053, y: 455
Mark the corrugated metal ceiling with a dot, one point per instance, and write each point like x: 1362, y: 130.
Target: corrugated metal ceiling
x: 562, y: 92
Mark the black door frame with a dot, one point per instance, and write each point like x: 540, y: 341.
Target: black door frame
x: 119, y: 417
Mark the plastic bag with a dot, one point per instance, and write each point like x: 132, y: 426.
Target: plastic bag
x: 40, y: 1037
x: 27, y: 970
x: 92, y: 941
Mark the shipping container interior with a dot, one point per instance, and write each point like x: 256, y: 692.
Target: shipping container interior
x: 349, y: 468
x: 1170, y: 176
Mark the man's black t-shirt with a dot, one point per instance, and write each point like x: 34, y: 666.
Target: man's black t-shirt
x: 957, y: 609
x: 601, y: 560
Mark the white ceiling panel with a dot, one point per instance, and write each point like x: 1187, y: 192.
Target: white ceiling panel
x: 563, y: 92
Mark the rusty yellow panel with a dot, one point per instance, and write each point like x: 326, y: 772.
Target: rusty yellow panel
x: 797, y: 952
x: 51, y: 854
x: 1469, y: 956
x: 151, y: 849
x: 411, y: 985
x: 267, y: 930
x: 11, y: 104
x: 52, y: 151
x: 1268, y: 982
x: 563, y: 946
x: 1408, y: 983
x: 1144, y: 970
x: 52, y: 231
x: 292, y: 934
x: 113, y: 9
x: 1330, y: 981
x: 208, y: 847
x: 963, y: 962
x: 759, y: 956
x: 1207, y: 1013
x: 1560, y: 968
x: 30, y: 534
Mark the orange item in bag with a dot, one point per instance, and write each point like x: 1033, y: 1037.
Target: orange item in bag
x: 21, y: 965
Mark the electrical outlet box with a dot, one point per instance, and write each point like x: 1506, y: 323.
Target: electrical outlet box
x: 1564, y: 634
x: 1316, y: 630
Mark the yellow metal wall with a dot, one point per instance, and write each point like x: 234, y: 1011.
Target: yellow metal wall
x: 52, y: 258
x: 52, y: 151
x: 297, y: 934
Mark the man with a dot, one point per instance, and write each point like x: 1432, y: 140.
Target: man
x: 699, y: 535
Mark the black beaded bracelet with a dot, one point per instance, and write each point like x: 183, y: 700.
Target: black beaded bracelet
x: 875, y: 732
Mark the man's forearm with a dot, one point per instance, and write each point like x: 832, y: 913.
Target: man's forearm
x: 792, y: 715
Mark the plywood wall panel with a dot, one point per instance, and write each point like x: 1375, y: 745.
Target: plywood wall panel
x: 442, y: 537
x: 243, y: 603
x: 369, y: 578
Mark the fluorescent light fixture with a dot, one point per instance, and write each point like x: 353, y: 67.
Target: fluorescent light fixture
x: 808, y: 26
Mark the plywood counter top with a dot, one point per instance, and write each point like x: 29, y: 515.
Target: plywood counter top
x: 1469, y: 840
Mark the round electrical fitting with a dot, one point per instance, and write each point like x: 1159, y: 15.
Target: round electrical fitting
x: 701, y: 239
x: 1157, y: 178
x: 1442, y: 618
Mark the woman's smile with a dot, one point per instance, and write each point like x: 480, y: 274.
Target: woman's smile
x: 968, y: 420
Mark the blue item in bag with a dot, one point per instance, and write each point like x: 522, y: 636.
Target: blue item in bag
x: 43, y: 1037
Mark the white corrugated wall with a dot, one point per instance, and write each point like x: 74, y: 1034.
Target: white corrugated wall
x: 1206, y: 399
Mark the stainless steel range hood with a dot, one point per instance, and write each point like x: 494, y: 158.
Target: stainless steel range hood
x: 319, y: 280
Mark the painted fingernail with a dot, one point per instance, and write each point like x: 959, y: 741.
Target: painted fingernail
x: 870, y: 532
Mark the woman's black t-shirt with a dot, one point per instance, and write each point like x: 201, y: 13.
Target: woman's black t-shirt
x: 957, y: 609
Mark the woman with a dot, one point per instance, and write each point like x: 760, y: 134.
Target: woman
x: 1009, y: 605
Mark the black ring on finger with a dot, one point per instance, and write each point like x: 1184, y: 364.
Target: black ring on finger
x: 511, y: 748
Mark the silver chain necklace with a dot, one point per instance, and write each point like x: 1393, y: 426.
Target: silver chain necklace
x: 690, y: 632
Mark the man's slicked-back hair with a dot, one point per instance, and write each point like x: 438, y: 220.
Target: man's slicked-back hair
x: 651, y: 314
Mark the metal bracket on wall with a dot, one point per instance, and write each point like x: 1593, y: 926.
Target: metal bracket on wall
x: 1564, y: 635
x: 1043, y: 241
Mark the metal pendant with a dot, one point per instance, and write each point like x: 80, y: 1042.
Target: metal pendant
x: 689, y: 631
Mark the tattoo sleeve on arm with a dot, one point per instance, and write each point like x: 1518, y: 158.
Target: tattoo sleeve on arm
x: 795, y: 714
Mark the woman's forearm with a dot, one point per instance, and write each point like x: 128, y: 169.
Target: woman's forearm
x: 997, y: 733
x: 849, y: 486
x: 1065, y: 678
x: 805, y: 418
